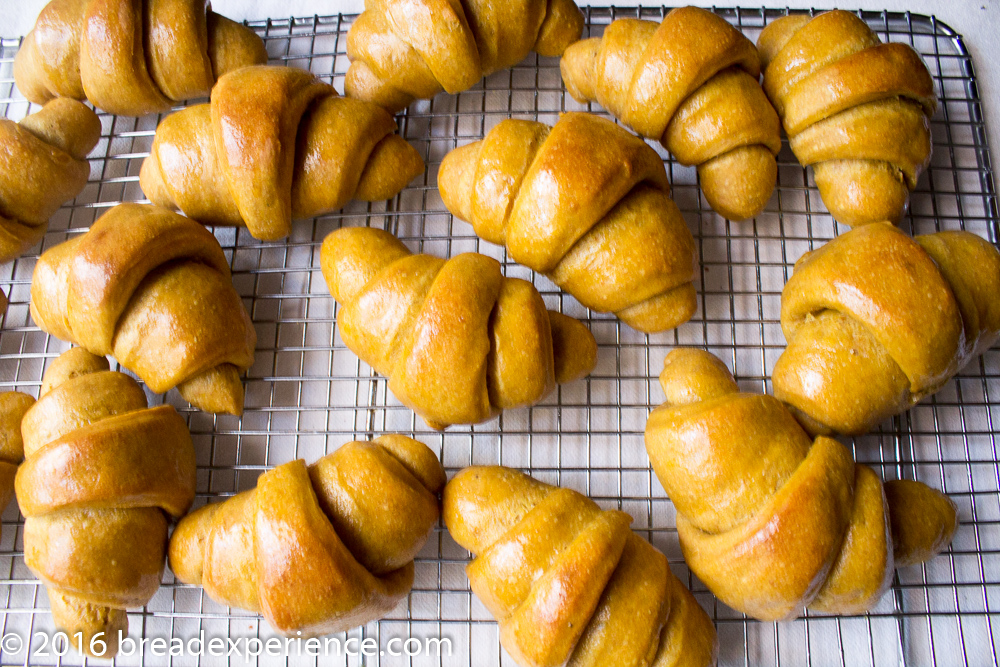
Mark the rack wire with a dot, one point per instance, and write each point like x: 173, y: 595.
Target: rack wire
x: 307, y: 394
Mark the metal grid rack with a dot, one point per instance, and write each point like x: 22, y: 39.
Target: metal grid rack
x: 307, y: 394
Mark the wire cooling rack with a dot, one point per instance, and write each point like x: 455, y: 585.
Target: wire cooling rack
x: 307, y: 394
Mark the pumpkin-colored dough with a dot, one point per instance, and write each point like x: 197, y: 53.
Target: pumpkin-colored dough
x: 403, y: 50
x: 42, y: 166
x: 458, y: 341
x: 275, y: 144
x: 771, y: 520
x: 13, y: 406
x: 317, y: 549
x: 131, y: 57
x: 102, y: 475
x: 691, y: 83
x: 587, y: 204
x: 153, y: 289
x: 876, y: 321
x: 568, y: 582
x: 855, y: 109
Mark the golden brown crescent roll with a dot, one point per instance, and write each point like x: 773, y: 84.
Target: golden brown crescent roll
x: 568, y: 582
x: 876, y: 321
x: 458, y: 341
x: 402, y: 50
x: 855, y: 109
x: 691, y: 83
x: 586, y: 203
x: 153, y: 289
x: 131, y: 57
x: 275, y: 144
x: 42, y: 166
x: 103, y: 473
x: 755, y: 496
x: 13, y: 405
x: 317, y: 549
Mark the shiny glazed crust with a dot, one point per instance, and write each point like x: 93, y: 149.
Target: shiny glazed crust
x: 586, y: 203
x: 569, y: 583
x: 322, y: 548
x: 275, y: 144
x: 458, y: 341
x: 864, y: 344
x: 691, y: 83
x: 771, y: 520
x: 131, y: 57
x: 102, y: 476
x: 855, y: 109
x: 405, y: 50
x: 42, y: 166
x: 153, y: 289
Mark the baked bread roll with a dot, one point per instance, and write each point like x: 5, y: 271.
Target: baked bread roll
x: 317, y: 549
x: 131, y: 57
x: 153, y: 289
x: 102, y: 476
x: 568, y: 582
x: 691, y: 83
x: 756, y: 496
x: 401, y: 51
x: 586, y: 203
x: 876, y: 321
x: 13, y: 405
x: 275, y: 144
x: 854, y: 109
x: 458, y: 341
x: 42, y: 166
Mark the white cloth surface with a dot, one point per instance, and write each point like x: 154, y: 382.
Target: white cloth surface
x: 978, y: 23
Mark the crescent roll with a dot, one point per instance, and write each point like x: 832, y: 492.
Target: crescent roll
x: 153, y: 289
x: 771, y: 520
x: 131, y: 57
x: 275, y: 144
x: 402, y: 50
x: 876, y: 321
x: 102, y: 477
x: 691, y: 83
x: 42, y: 166
x: 458, y: 341
x: 322, y: 548
x: 854, y: 109
x: 13, y: 406
x: 568, y: 582
x: 587, y: 204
